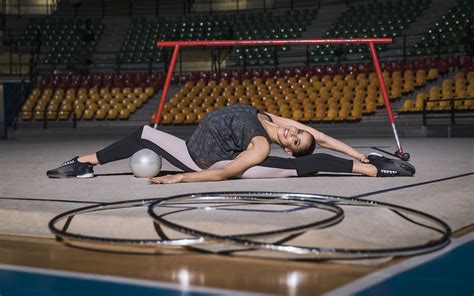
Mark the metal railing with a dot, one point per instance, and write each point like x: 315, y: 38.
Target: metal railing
x: 453, y: 111
x: 21, y: 8
x: 111, y: 61
x: 213, y: 6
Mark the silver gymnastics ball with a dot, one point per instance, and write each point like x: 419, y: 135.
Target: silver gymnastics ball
x: 145, y: 163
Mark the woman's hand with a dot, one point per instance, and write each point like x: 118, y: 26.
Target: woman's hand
x: 168, y: 179
x: 362, y: 157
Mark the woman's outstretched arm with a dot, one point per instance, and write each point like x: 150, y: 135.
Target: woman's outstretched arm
x: 258, y: 150
x: 322, y: 139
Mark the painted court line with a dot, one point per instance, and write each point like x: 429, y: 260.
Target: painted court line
x: 354, y: 196
x: 184, y: 288
x: 387, y: 273
x: 412, y: 185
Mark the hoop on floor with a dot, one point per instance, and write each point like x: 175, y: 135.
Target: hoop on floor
x: 71, y: 238
x: 68, y: 237
x: 312, y: 252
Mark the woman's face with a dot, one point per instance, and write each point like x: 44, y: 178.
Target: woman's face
x: 293, y: 139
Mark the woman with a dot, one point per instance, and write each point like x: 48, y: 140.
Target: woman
x: 234, y: 142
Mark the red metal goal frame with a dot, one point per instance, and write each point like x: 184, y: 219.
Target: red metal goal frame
x: 274, y: 42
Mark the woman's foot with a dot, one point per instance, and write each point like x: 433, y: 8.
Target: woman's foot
x: 72, y: 169
x: 390, y: 167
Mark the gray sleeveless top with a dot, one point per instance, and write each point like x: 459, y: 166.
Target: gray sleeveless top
x: 224, y: 133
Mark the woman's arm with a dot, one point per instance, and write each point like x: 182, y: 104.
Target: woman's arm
x: 258, y: 150
x: 322, y: 139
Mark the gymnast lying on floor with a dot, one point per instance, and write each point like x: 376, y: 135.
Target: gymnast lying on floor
x: 234, y: 142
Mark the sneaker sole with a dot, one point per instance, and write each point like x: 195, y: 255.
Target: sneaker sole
x: 85, y: 176
x: 403, y: 168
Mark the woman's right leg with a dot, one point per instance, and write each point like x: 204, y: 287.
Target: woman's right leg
x: 168, y: 146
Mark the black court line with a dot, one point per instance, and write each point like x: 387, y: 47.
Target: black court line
x: 410, y: 185
x: 53, y: 200
x: 354, y: 196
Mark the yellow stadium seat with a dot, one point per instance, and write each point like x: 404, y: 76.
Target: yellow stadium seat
x: 166, y: 118
x: 343, y: 114
x: 458, y: 103
x: 179, y: 118
x: 446, y: 93
x: 408, y: 105
x: 433, y: 74
x: 149, y: 91
x: 137, y: 91
x: 307, y: 115
x: 100, y: 114
x: 88, y: 114
x: 63, y: 115
x: 39, y: 115
x: 190, y: 118
x: 200, y: 117
x: 434, y: 93
x: 26, y: 115
x: 103, y: 91
x: 356, y: 113
x: 105, y: 107
x: 124, y: 114
x: 468, y: 104
x: 107, y: 97
x: 408, y: 86
x: 77, y: 113
x: 297, y: 115
x: 459, y: 75
x: 126, y: 91
x: 419, y: 101
x: 370, y: 107
x: 379, y: 100
x: 470, y: 76
x: 319, y: 114
x: 119, y: 96
x: 331, y: 115
x: 395, y: 92
x: 396, y: 75
x: 447, y: 84
x: 131, y: 107
x: 137, y: 102
x: 51, y: 115
x: 373, y: 76
x: 444, y: 105
x: 420, y: 79
x: 112, y: 114
x: 470, y: 91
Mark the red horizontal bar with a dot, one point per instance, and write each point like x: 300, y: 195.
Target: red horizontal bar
x: 272, y: 42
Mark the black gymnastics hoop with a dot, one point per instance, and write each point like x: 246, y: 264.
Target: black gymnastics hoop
x: 338, y: 217
x: 64, y: 235
x: 316, y: 252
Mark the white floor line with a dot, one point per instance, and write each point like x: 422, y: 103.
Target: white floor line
x: 384, y: 274
x: 183, y: 276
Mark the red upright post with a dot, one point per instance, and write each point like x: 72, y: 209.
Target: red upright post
x: 388, y: 108
x: 166, y: 86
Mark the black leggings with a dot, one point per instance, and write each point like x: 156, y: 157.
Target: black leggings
x: 174, y: 150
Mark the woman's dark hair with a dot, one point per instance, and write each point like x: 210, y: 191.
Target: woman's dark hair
x: 308, y: 150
